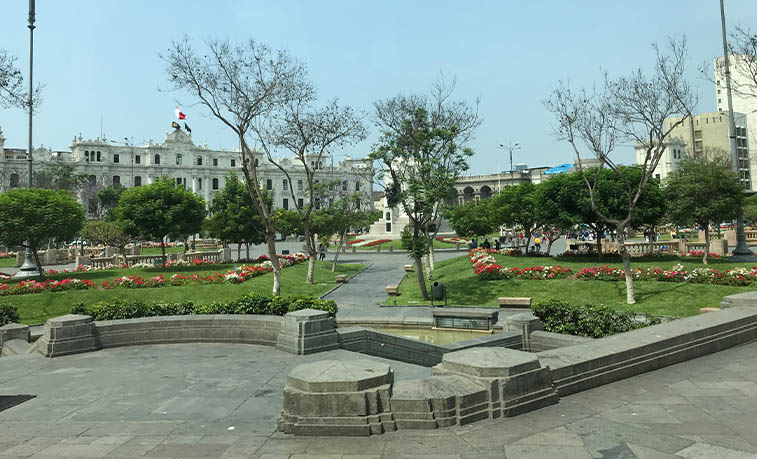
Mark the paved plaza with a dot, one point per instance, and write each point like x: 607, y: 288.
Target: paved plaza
x: 220, y: 400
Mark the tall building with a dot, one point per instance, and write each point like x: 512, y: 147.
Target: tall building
x: 706, y: 135
x: 198, y: 168
x: 744, y: 94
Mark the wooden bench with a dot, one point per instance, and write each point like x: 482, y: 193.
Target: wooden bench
x: 392, y: 290
x: 408, y: 268
x: 514, y: 302
x: 341, y: 278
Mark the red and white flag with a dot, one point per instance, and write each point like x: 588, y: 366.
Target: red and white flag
x: 179, y: 114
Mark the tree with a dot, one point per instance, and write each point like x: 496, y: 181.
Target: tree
x: 107, y: 198
x: 557, y: 200
x: 107, y: 233
x: 632, y: 108
x: 13, y: 92
x: 472, y: 219
x: 234, y: 217
x: 309, y: 134
x: 244, y: 86
x: 348, y: 212
x: 518, y: 205
x: 421, y: 154
x: 30, y: 217
x: 158, y: 210
x: 703, y: 192
x: 59, y: 176
x: 287, y: 222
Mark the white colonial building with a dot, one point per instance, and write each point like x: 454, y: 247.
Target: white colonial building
x: 200, y: 169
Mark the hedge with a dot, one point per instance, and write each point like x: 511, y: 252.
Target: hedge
x: 252, y: 303
x: 8, y: 314
x: 586, y: 320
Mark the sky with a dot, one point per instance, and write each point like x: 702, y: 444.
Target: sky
x: 99, y: 60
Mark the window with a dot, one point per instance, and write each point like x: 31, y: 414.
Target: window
x: 285, y: 204
x: 299, y: 203
x: 344, y: 185
x: 199, y: 184
x: 178, y: 159
x: 388, y: 227
x: 138, y: 159
x: 157, y: 159
x: 178, y: 180
x: 233, y: 163
x: 86, y: 155
x: 388, y: 216
x: 357, y: 205
x: 215, y: 162
x: 657, y: 176
x: 285, y: 183
x: 14, y: 180
x: 357, y: 186
x: 269, y: 184
x: 299, y: 185
x: 137, y: 181
x: 215, y: 183
x: 116, y: 180
x: 99, y: 158
x: 92, y: 180
x: 199, y: 160
x: 256, y: 162
x: 116, y: 158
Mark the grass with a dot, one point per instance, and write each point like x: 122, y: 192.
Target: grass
x: 652, y: 297
x: 38, y: 307
x: 7, y: 262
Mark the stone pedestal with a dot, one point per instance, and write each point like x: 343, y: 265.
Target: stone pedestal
x: 525, y: 323
x: 226, y: 255
x: 336, y: 397
x: 69, y: 334
x: 14, y: 331
x: 110, y: 251
x: 50, y: 257
x: 83, y: 260
x: 20, y: 257
x: 306, y: 332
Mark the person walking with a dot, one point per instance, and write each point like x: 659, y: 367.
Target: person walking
x: 321, y: 252
x: 537, y: 244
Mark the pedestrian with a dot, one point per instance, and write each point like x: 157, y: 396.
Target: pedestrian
x: 102, y: 253
x: 497, y: 244
x: 321, y: 252
x: 486, y: 244
x: 537, y: 244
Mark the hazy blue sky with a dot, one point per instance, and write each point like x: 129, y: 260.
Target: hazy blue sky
x: 100, y: 59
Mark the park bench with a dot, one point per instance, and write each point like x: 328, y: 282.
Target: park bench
x: 408, y: 268
x: 341, y: 278
x: 514, y: 302
x: 392, y: 290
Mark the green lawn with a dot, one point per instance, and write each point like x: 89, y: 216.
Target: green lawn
x: 38, y: 307
x: 652, y: 297
x: 7, y: 262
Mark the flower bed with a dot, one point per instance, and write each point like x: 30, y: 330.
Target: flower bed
x: 234, y: 276
x: 377, y: 242
x: 355, y: 241
x: 739, y: 277
x: 700, y: 254
x: 486, y: 268
x: 452, y: 240
x: 4, y: 255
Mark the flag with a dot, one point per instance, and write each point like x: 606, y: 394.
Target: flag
x: 179, y: 115
x: 187, y: 128
x: 175, y: 125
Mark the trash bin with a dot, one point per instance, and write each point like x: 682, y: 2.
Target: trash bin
x: 438, y: 292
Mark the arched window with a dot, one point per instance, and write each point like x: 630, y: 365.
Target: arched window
x: 199, y: 160
x: 98, y: 157
x: 157, y: 159
x: 285, y: 183
x: 137, y: 181
x: 86, y: 155
x: 14, y: 180
x: 256, y: 162
x: 116, y: 180
x: 269, y: 184
x: 199, y: 184
x: 357, y: 186
x: 215, y: 183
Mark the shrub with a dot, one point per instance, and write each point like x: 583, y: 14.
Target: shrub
x: 79, y: 308
x: 8, y: 314
x: 586, y: 320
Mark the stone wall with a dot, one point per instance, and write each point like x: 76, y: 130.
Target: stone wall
x: 544, y: 341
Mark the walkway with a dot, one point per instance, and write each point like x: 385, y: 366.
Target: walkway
x: 222, y: 401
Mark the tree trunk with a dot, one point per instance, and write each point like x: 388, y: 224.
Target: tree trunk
x: 342, y: 237
x: 239, y: 250
x: 706, y: 243
x: 163, y: 250
x: 549, y: 246
x: 429, y: 272
x: 528, y: 240
x: 270, y: 238
x: 419, y: 263
x: 599, y: 244
x: 630, y: 297
x: 247, y: 247
x: 39, y: 265
x: 312, y: 250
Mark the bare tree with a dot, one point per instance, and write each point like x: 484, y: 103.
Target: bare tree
x: 243, y: 85
x: 421, y: 154
x: 632, y: 108
x: 311, y: 134
x: 13, y: 92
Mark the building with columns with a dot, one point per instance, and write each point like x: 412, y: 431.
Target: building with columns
x: 198, y: 168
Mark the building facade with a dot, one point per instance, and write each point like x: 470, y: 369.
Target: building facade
x: 198, y: 168
x: 706, y: 136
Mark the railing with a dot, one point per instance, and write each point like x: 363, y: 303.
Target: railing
x: 216, y: 257
x: 150, y: 259
x: 103, y: 262
x: 638, y: 249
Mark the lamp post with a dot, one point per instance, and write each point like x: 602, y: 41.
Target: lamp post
x: 742, y: 252
x: 509, y: 147
x: 29, y: 268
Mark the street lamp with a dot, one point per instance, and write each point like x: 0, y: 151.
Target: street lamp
x: 509, y: 147
x: 29, y: 268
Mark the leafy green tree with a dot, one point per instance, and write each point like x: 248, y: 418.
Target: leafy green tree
x: 59, y: 176
x: 234, y: 217
x: 287, y: 222
x: 557, y: 200
x: 703, y: 192
x: 107, y: 233
x: 348, y: 212
x: 421, y: 153
x: 30, y: 217
x: 472, y: 219
x: 518, y: 205
x: 107, y: 198
x: 750, y: 208
x: 158, y: 210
